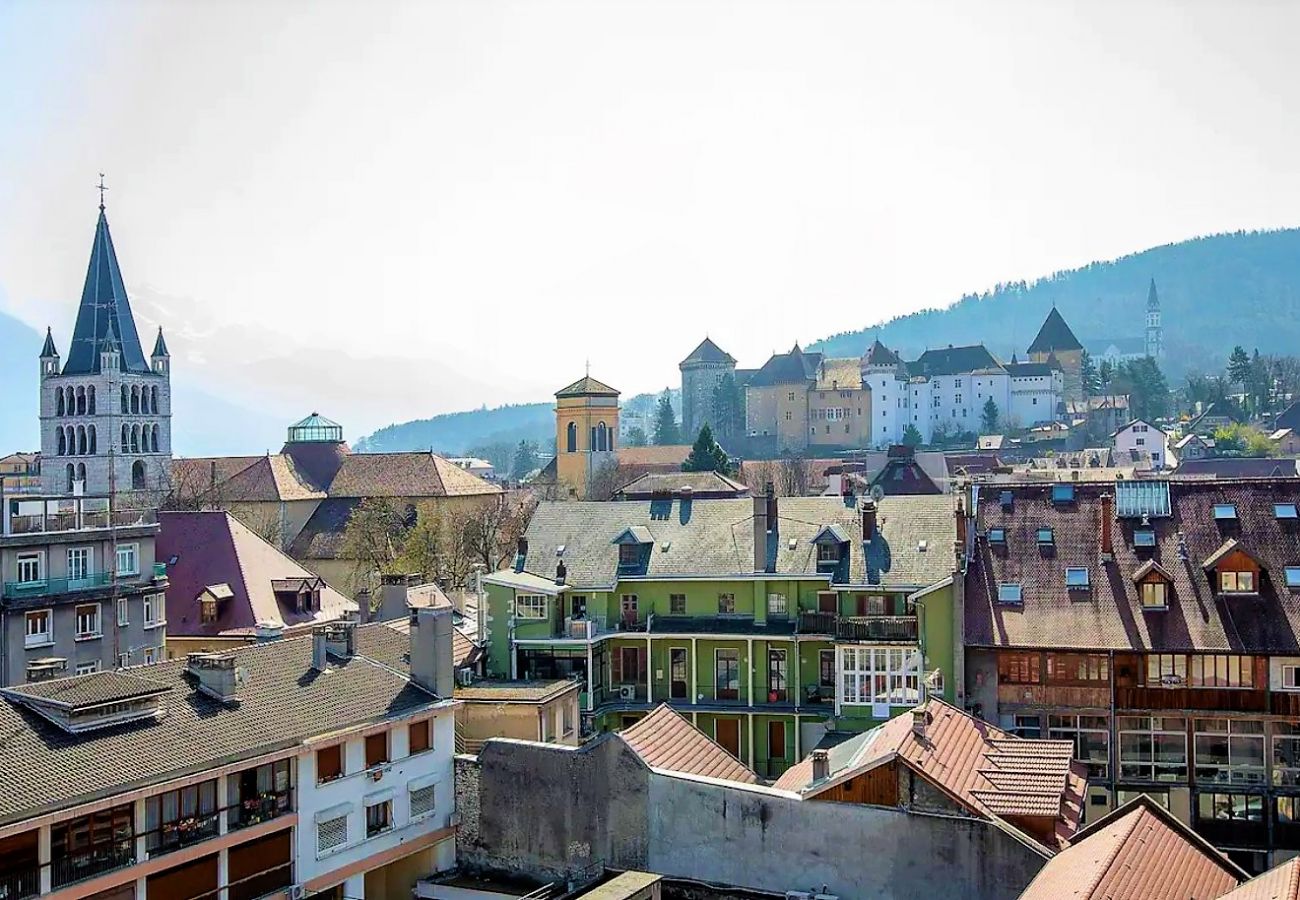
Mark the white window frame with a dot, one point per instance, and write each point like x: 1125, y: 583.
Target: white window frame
x: 38, y: 638
x: 1293, y: 576
x: 1072, y: 728
x: 123, y: 611
x: 1155, y: 730
x: 1010, y: 593
x: 430, y: 791
x: 871, y: 676
x: 87, y: 668
x: 1290, y: 679
x: 1249, y: 774
x: 777, y: 606
x: 96, y: 612
x: 133, y: 552
x: 123, y: 660
x: 391, y: 822
x: 150, y: 655
x: 1077, y: 578
x: 1235, y: 578
x: 530, y: 606
x: 86, y: 553
x: 155, y: 610
x: 321, y: 849
x: 26, y: 559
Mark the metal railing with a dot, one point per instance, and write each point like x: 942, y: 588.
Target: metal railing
x: 79, y: 866
x: 859, y: 628
x: 262, y: 808
x: 182, y: 833
x: 18, y: 885
x: 18, y: 589
x: 73, y: 520
x: 583, y: 629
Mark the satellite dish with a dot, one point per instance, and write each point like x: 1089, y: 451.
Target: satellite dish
x: 877, y: 492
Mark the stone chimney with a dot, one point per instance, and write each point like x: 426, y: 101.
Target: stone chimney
x: 319, y: 647
x: 432, y: 665
x: 340, y: 639
x: 868, y: 520
x: 363, y: 606
x: 919, y: 720
x: 821, y: 762
x: 761, y: 528
x: 1107, y: 528
x: 394, y: 591
x: 561, y: 573
x: 268, y: 631
x: 216, y: 674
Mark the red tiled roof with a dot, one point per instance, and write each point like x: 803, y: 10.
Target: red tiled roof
x: 1109, y: 614
x: 1282, y: 882
x: 1138, y: 852
x: 405, y: 475
x: 672, y: 455
x: 666, y: 740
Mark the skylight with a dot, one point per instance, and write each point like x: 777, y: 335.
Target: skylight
x: 1293, y: 576
x: 1141, y: 498
x: 997, y: 535
x: 1062, y: 493
x: 1005, y: 498
x: 1076, y: 577
x: 1225, y: 511
x: 1144, y: 537
x: 1284, y: 510
x: 1009, y: 593
x: 1044, y: 535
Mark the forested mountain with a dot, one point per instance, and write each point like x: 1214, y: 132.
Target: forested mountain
x: 1215, y: 292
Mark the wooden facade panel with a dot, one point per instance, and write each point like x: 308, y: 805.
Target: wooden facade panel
x: 1053, y: 695
x: 1183, y: 699
x: 259, y: 867
x: 185, y: 882
x: 878, y: 787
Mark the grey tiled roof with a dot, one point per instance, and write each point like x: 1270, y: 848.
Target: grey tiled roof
x: 952, y: 361
x: 282, y: 703
x: 106, y: 687
x: 715, y: 538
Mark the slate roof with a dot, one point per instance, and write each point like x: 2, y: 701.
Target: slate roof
x: 213, y: 547
x: 708, y: 352
x: 1109, y: 615
x: 321, y: 536
x: 991, y: 772
x: 716, y: 538
x: 1032, y: 369
x: 1289, y: 417
x: 795, y: 367
x: 49, y: 350
x: 1137, y: 852
x: 159, y: 345
x: 282, y: 703
x: 952, y: 361
x: 880, y: 355
x: 415, y: 474
x: 701, y: 484
x: 839, y: 375
x: 1054, y: 335
x: 103, y: 312
x: 666, y: 740
x: 587, y: 387
x: 1282, y: 882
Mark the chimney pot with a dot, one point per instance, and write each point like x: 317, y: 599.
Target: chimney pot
x: 868, y: 519
x: 821, y: 763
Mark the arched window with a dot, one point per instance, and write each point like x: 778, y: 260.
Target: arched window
x: 90, y: 433
x: 135, y: 438
x: 153, y: 440
x: 591, y: 438
x: 81, y: 439
x: 137, y: 476
x: 58, y: 399
x: 153, y: 400
x: 571, y: 438
x: 81, y: 401
x: 63, y: 440
x: 90, y: 399
x: 125, y: 402
x: 125, y: 439
x: 81, y: 472
x: 72, y: 440
x: 72, y: 476
x: 144, y: 400
x: 602, y: 437
x: 135, y: 398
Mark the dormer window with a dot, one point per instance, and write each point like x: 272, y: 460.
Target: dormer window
x: 1237, y: 582
x: 629, y: 554
x: 1284, y: 510
x: 828, y: 552
x: 1144, y: 537
x: 997, y: 535
x: 1076, y: 578
x: 1225, y: 512
x: 1045, y: 537
x: 1009, y: 594
x: 1062, y: 493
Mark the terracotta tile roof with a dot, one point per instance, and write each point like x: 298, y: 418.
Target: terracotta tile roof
x: 1138, y: 852
x: 1108, y: 615
x: 76, y: 693
x: 587, y: 387
x: 671, y: 455
x: 518, y: 691
x: 989, y: 771
x: 213, y: 548
x: 405, y: 475
x: 248, y: 479
x: 390, y: 644
x: 666, y: 740
x: 1282, y: 882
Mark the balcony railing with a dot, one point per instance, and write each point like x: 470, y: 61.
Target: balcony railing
x: 74, y: 520
x: 17, y: 590
x: 18, y: 885
x: 175, y: 835
x: 584, y: 629
x: 80, y: 866
x: 859, y: 628
x: 262, y: 808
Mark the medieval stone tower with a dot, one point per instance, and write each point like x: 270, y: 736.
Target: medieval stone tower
x: 106, y: 411
x: 1155, y: 334
x: 702, y: 372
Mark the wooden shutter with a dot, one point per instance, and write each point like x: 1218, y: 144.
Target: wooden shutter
x: 616, y: 666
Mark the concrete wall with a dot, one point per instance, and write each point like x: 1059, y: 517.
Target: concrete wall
x: 600, y: 804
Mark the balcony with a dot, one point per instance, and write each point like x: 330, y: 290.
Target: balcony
x: 177, y: 835
x: 901, y: 629
x: 20, y: 884
x: 583, y: 629
x: 75, y: 867
x: 1181, y: 699
x: 71, y: 514
x: 259, y: 808
x: 18, y: 590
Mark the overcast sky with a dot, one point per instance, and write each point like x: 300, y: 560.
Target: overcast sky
x: 385, y: 210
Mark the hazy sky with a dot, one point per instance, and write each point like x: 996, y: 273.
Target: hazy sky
x: 385, y: 210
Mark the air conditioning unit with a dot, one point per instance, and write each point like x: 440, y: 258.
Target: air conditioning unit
x: 297, y: 891
x: 627, y: 692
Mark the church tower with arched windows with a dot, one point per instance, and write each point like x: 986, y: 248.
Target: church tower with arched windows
x: 586, y: 426
x: 106, y: 410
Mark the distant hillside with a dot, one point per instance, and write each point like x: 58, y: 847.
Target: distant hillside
x: 455, y: 433
x: 1215, y: 292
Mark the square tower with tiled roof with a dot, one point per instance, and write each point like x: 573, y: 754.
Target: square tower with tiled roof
x: 586, y: 428
x: 1055, y: 339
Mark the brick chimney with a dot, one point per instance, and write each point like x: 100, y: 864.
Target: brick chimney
x: 1107, y: 528
x: 868, y: 520
x: 821, y: 764
x: 961, y: 523
x: 432, y: 664
x: 920, y: 719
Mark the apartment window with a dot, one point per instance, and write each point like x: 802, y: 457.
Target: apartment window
x: 31, y: 568
x: 1293, y: 576
x: 181, y: 817
x: 1237, y: 582
x: 629, y: 554
x: 379, y: 818
x: 1027, y: 726
x: 128, y: 559
x: 88, y: 622
x: 677, y: 604
x: 726, y: 604
x: 787, y: 416
x: 88, y: 668
x: 419, y: 736
x: 1076, y: 578
x: 1245, y: 808
x: 1229, y: 750
x: 1223, y: 671
x: 332, y: 833
x: 727, y: 671
x: 1020, y: 668
x: 776, y: 606
x: 1166, y: 670
x: 1140, y: 442
x: 629, y: 665
x: 329, y: 763
x: 881, y: 675
x: 1144, y: 537
x: 1152, y: 748
x: 423, y: 800
x: 1010, y: 594
x: 1078, y: 668
x: 957, y: 399
x: 776, y: 683
x: 78, y: 563
x: 1290, y: 678
x: 1155, y: 594
x: 150, y: 655
x: 828, y: 552
x: 376, y: 749
x: 997, y: 535
x: 628, y: 604
x: 826, y: 669
x: 530, y: 606
x: 1286, y: 754
x: 1091, y: 736
x: 123, y: 611
x: 155, y: 611
x: 1225, y: 511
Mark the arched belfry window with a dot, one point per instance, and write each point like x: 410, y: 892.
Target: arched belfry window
x: 72, y: 476
x: 90, y: 399
x: 81, y: 439
x: 571, y: 438
x: 81, y: 401
x: 602, y: 437
x: 135, y: 398
x: 126, y: 404
x: 63, y: 443
x: 153, y: 399
x: 90, y: 433
x: 137, y: 476
x: 58, y: 397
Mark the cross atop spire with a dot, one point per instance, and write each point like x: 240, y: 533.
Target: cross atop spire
x: 101, y: 191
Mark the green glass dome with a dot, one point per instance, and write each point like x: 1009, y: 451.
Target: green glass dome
x: 315, y: 429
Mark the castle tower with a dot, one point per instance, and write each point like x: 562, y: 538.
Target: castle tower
x: 586, y: 425
x: 1056, y: 338
x: 1155, y: 337
x: 702, y: 372
x: 106, y: 414
x: 881, y: 370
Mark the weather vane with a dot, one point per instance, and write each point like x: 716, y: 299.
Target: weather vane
x: 101, y: 191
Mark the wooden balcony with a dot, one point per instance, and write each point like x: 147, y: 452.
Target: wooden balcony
x: 1045, y: 695
x: 1195, y: 699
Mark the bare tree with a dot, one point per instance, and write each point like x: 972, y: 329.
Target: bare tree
x: 492, y: 529
x: 373, y: 539
x: 794, y: 476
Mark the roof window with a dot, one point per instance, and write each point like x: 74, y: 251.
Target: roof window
x: 1009, y: 593
x: 1293, y: 576
x: 1063, y: 493
x: 1224, y: 511
x: 997, y: 535
x: 1144, y: 537
x: 1285, y: 510
x: 1005, y: 499
x: 1045, y: 536
x: 1076, y: 578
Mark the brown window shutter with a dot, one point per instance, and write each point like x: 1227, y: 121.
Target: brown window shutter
x: 616, y: 666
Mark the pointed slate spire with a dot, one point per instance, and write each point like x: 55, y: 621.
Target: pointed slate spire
x: 104, y: 309
x: 1153, y: 300
x: 49, y: 351
x: 160, y: 346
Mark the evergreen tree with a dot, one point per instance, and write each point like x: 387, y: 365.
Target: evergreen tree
x: 1239, y: 367
x: 636, y: 437
x: 911, y: 437
x: 525, y: 459
x: 1145, y: 384
x: 728, y: 408
x: 666, y: 430
x: 989, y: 418
x: 1106, y: 376
x: 1089, y: 377
x: 707, y: 455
